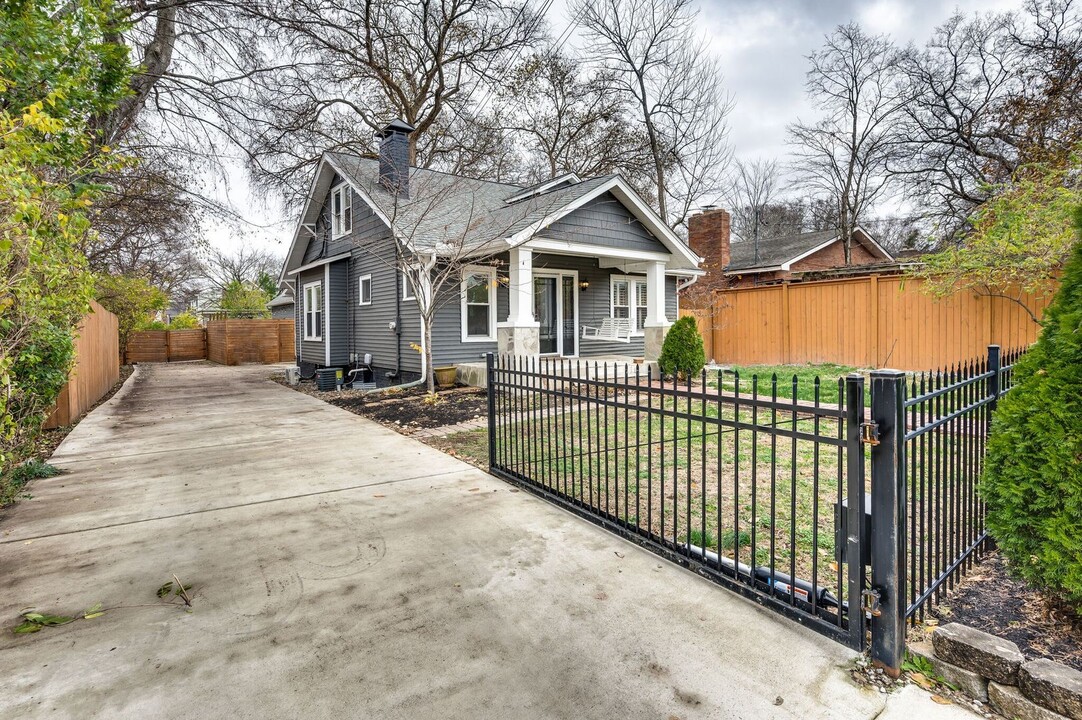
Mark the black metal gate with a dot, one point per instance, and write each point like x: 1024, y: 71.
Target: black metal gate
x: 758, y: 484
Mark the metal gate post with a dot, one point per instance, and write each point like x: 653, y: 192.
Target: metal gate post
x: 490, y: 387
x: 994, y: 365
x: 888, y: 521
x: 855, y: 539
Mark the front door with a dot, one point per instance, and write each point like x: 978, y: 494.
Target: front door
x: 554, y: 305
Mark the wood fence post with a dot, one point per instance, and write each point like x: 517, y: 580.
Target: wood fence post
x: 786, y: 338
x: 873, y: 319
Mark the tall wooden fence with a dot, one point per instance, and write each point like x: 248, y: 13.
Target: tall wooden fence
x: 864, y: 322
x: 97, y: 367
x: 228, y: 342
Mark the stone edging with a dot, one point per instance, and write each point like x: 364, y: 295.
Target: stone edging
x: 995, y: 671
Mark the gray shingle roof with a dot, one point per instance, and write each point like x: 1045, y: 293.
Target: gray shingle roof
x: 775, y: 251
x: 447, y: 210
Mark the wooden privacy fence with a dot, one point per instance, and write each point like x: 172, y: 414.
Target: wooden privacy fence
x: 232, y: 342
x: 228, y: 342
x: 97, y: 367
x: 864, y: 322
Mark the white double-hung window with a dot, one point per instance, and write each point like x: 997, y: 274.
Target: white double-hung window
x: 313, y: 311
x: 629, y: 300
x: 478, y: 304
x: 341, y: 211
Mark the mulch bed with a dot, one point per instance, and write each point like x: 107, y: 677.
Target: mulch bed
x: 990, y: 599
x: 406, y: 410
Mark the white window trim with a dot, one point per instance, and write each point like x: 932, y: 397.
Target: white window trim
x: 347, y: 202
x: 360, y: 284
x: 632, y: 299
x: 407, y: 287
x: 490, y: 272
x: 304, y: 314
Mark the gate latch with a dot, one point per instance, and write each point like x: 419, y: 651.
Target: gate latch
x: 869, y: 433
x: 870, y: 600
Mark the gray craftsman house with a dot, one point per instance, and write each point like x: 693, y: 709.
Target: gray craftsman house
x: 571, y: 267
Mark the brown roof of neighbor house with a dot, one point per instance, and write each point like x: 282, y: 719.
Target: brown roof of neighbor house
x: 776, y: 251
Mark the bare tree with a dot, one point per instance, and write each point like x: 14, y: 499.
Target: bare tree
x: 246, y: 265
x: 675, y: 86
x: 989, y: 93
x: 354, y: 65
x: 570, y: 119
x: 437, y: 231
x: 854, y: 81
x: 751, y: 188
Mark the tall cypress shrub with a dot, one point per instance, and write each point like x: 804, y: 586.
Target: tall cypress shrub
x: 1033, y: 478
x: 682, y: 352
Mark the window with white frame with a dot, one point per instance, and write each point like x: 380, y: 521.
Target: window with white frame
x: 478, y: 304
x: 364, y: 290
x: 313, y: 311
x: 409, y: 276
x: 341, y: 210
x: 629, y: 300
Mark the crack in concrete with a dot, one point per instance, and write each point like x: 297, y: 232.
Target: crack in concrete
x: 232, y: 507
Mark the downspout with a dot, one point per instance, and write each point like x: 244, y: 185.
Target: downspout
x: 398, y: 330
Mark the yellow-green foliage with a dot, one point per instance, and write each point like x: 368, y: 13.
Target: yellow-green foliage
x: 1033, y: 480
x: 184, y: 321
x: 132, y: 299
x: 1020, y: 238
x: 56, y: 74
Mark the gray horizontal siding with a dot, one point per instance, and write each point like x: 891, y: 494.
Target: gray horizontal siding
x: 337, y: 315
x: 447, y: 345
x: 372, y: 333
x: 366, y: 226
x: 604, y: 221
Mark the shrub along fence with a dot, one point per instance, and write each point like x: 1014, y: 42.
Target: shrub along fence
x: 97, y: 367
x: 863, y: 322
x: 228, y: 342
x: 762, y: 484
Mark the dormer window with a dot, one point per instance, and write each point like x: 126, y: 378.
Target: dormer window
x: 341, y: 211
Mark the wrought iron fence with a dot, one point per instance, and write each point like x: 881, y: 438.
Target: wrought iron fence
x: 742, y: 479
x: 948, y: 414
x: 760, y: 484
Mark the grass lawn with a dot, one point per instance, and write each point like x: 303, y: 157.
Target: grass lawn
x: 805, y: 378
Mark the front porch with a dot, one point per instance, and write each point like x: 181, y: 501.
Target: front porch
x: 553, y: 296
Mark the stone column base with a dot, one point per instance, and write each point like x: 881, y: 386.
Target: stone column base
x: 653, y: 338
x: 512, y: 340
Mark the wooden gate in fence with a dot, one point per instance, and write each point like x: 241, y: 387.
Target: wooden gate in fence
x: 97, y: 367
x: 863, y: 322
x: 228, y: 342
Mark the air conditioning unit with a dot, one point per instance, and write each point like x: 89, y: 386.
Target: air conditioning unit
x: 293, y: 375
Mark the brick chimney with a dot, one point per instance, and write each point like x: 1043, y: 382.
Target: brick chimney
x: 708, y: 236
x: 394, y: 158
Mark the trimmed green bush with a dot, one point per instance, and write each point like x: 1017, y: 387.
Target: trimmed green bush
x: 185, y: 321
x: 682, y: 353
x: 1033, y: 477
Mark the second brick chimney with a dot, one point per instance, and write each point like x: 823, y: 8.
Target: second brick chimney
x: 708, y: 236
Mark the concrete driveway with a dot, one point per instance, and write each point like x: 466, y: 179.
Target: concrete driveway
x: 341, y: 570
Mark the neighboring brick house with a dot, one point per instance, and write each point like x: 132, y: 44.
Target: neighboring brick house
x: 779, y: 259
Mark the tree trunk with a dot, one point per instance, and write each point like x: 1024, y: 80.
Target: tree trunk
x: 430, y: 374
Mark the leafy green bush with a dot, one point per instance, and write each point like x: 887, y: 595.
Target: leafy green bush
x: 20, y: 475
x: 184, y: 321
x: 1033, y: 478
x: 682, y: 352
x: 133, y: 300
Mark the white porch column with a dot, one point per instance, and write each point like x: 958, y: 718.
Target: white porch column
x: 520, y: 334
x: 656, y: 324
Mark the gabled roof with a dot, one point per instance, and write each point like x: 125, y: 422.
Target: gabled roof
x: 779, y: 253
x: 448, y: 213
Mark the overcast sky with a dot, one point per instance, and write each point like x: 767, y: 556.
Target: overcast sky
x: 762, y: 45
